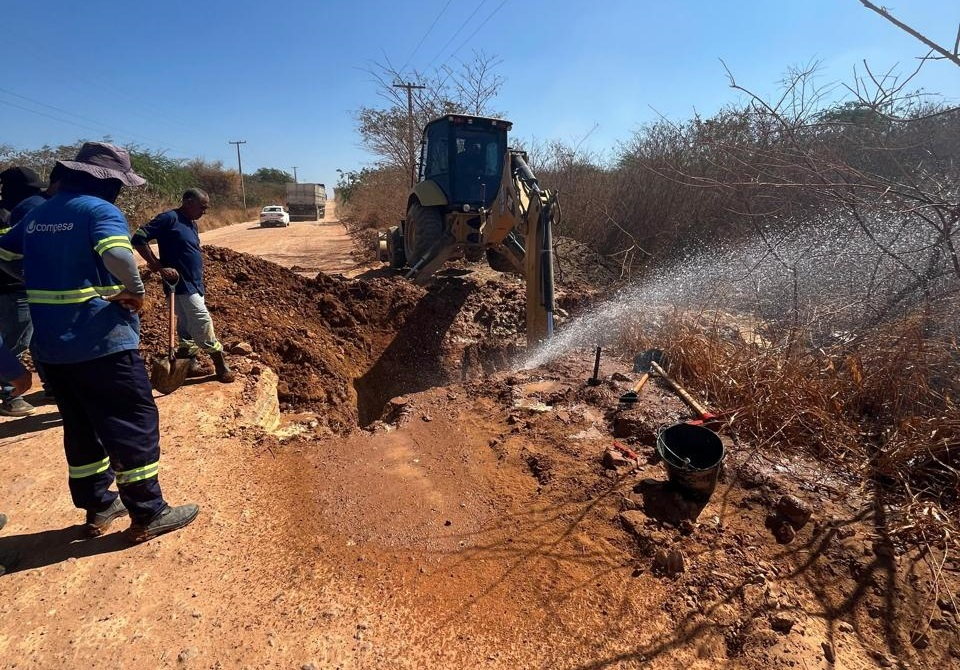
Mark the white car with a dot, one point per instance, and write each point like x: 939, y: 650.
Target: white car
x: 274, y: 215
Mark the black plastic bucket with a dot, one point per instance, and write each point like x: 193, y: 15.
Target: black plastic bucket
x: 693, y: 456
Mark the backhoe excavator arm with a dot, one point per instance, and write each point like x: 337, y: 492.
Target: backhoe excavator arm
x: 524, y: 208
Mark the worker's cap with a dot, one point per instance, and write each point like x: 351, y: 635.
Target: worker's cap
x: 105, y: 161
x: 21, y: 176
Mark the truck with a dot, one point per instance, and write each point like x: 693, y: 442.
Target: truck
x: 475, y: 196
x: 306, y: 202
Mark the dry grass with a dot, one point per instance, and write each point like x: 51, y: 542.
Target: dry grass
x: 884, y: 405
x: 379, y: 201
x: 220, y: 217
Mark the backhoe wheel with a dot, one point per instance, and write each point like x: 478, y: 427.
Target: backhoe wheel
x: 423, y: 228
x: 395, y: 255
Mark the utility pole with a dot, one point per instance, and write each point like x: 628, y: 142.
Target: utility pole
x: 295, y: 174
x: 413, y: 161
x: 243, y: 192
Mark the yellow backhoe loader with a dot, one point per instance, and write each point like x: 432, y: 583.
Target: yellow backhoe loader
x: 477, y: 197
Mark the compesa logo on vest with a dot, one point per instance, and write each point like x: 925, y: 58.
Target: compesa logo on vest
x: 34, y: 227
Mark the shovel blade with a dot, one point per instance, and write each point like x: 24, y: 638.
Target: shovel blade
x: 168, y: 374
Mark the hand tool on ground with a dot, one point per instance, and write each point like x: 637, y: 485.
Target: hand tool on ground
x: 706, y: 418
x: 626, y: 451
x: 593, y: 381
x: 169, y: 373
x: 642, y: 364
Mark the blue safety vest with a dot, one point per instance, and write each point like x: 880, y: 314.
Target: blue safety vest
x: 61, y: 242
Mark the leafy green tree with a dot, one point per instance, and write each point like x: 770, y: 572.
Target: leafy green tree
x: 273, y: 175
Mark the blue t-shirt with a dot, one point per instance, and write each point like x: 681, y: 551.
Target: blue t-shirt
x: 24, y: 208
x: 7, y: 283
x: 178, y: 241
x: 61, y: 242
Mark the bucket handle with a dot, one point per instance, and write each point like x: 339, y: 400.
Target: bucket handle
x: 680, y: 459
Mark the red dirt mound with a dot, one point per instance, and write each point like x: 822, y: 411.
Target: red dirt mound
x: 343, y: 347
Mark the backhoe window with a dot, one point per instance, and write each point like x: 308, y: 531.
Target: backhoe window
x: 437, y: 157
x: 477, y: 172
x: 464, y: 160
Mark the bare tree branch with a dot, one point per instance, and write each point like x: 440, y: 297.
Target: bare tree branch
x: 882, y: 11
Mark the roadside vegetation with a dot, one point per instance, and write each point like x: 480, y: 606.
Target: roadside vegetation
x: 824, y: 217
x: 167, y: 179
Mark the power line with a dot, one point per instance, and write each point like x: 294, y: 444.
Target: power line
x: 454, y: 36
x: 466, y: 41
x: 420, y: 43
x: 145, y: 111
x: 51, y: 116
x: 111, y: 130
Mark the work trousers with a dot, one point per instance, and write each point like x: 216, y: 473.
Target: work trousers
x: 194, y: 325
x: 111, y: 430
x: 15, y: 328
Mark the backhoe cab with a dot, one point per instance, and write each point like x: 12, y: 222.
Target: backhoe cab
x: 477, y: 197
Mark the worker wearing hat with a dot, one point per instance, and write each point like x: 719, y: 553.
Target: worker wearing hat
x: 85, y: 294
x: 17, y: 185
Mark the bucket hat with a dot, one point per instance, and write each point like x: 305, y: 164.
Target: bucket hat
x: 105, y: 161
x: 21, y: 176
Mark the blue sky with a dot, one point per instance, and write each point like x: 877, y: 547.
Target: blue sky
x: 287, y: 76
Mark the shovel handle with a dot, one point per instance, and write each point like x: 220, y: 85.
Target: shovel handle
x: 643, y: 380
x: 171, y: 323
x: 682, y: 392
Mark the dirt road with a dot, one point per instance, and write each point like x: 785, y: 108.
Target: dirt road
x: 305, y: 247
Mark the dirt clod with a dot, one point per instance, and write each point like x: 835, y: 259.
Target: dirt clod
x: 613, y: 459
x: 782, y: 622
x: 794, y: 510
x: 669, y: 562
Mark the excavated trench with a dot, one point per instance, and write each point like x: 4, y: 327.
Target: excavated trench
x: 343, y: 348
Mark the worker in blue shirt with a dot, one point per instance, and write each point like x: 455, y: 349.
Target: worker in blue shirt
x: 17, y: 184
x: 20, y: 381
x: 16, y: 214
x: 181, y: 267
x: 85, y: 294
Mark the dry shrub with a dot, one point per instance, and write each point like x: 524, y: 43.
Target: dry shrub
x: 218, y: 218
x: 883, y: 405
x: 378, y: 200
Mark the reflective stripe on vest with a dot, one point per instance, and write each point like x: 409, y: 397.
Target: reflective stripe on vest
x: 138, y: 474
x: 111, y: 242
x: 70, y: 296
x: 81, y: 471
x: 9, y: 255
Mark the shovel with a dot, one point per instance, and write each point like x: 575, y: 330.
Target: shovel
x: 169, y: 373
x: 642, y: 364
x: 706, y: 418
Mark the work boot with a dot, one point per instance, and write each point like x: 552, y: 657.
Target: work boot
x: 8, y: 561
x: 16, y: 407
x: 169, y: 518
x: 224, y: 373
x: 196, y: 368
x: 98, y: 522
